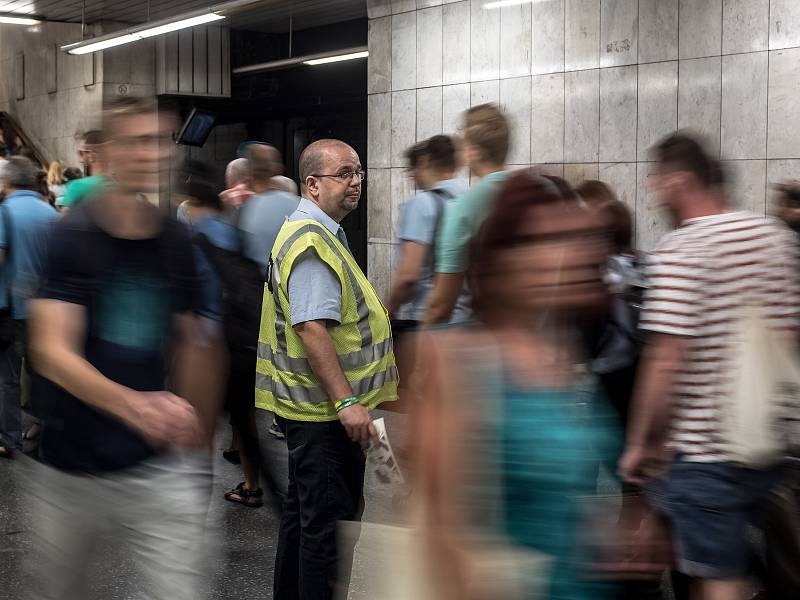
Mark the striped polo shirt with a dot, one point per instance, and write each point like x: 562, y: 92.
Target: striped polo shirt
x: 698, y: 277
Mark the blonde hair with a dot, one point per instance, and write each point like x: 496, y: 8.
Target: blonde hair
x: 55, y: 174
x: 486, y: 127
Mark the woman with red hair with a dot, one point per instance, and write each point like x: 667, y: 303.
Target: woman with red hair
x: 512, y: 424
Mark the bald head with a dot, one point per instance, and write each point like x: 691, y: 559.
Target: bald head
x: 265, y: 163
x: 317, y: 156
x: 237, y: 171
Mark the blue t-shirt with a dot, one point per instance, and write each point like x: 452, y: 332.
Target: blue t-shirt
x: 222, y: 234
x: 130, y: 291
x: 260, y: 221
x: 30, y: 219
x: 418, y: 223
x: 315, y: 293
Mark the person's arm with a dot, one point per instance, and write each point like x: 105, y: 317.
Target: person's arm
x: 651, y: 407
x: 411, y: 263
x: 443, y: 297
x: 57, y: 332
x: 199, y: 367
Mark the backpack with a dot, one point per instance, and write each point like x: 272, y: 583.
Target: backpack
x: 243, y: 290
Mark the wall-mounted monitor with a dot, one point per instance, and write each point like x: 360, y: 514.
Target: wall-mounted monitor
x: 197, y: 127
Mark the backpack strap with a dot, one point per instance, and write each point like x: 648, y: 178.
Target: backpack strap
x: 6, y: 216
x: 441, y: 196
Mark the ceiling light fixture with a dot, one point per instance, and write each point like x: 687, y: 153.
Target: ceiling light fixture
x: 160, y: 27
x: 15, y: 20
x: 337, y: 58
x: 320, y: 58
x: 504, y: 3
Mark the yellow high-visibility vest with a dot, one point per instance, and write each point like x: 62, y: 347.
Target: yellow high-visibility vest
x: 285, y: 382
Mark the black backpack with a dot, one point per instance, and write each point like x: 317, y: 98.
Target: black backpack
x: 243, y: 289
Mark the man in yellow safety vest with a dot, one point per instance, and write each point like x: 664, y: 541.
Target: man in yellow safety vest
x: 325, y: 358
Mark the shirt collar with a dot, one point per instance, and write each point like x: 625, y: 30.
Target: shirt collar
x: 315, y: 212
x: 22, y: 193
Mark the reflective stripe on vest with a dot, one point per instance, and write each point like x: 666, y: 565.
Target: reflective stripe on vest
x: 285, y: 381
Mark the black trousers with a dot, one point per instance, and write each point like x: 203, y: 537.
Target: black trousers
x: 326, y: 485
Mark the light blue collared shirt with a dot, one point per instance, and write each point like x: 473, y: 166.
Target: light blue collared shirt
x: 315, y: 293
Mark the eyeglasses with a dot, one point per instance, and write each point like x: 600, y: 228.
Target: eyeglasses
x: 346, y: 176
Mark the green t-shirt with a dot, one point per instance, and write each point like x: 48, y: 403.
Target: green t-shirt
x: 461, y: 221
x: 80, y: 190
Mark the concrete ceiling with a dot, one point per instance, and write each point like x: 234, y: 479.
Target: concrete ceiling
x: 265, y: 15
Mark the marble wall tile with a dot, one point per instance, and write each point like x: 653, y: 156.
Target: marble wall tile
x: 582, y: 35
x: 456, y: 46
x: 379, y: 63
x: 619, y: 35
x: 652, y: 221
x: 379, y: 215
x: 482, y: 92
x: 699, y: 97
x: 515, y: 40
x: 485, y: 42
x: 429, y: 112
x: 618, y: 96
x: 402, y: 6
x: 744, y: 106
x: 402, y: 188
x: 748, y: 184
x: 404, y: 124
x: 379, y: 130
x: 547, y: 55
x: 378, y: 8
x: 551, y: 169
x: 621, y: 178
x: 745, y: 25
x: 515, y: 100
x: 547, y: 119
x: 379, y: 266
x: 658, y: 30
x: 455, y: 100
x: 700, y: 28
x: 658, y: 104
x: 575, y: 174
x: 581, y: 116
x: 429, y: 47
x: 404, y: 51
x: 428, y: 3
x: 780, y: 171
x: 783, y: 104
x: 784, y: 24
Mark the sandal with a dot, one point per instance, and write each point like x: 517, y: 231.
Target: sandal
x: 6, y: 452
x: 33, y: 433
x: 241, y: 495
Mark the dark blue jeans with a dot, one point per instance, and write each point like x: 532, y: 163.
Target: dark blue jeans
x: 326, y: 485
x: 10, y: 370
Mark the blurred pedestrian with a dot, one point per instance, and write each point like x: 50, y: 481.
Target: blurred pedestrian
x: 717, y: 266
x: 55, y: 179
x: 485, y: 147
x: 96, y: 178
x: 237, y: 184
x: 122, y: 455
x: 325, y: 360
x: 511, y: 423
x: 24, y: 228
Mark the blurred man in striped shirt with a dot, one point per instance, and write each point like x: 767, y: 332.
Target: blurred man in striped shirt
x: 717, y: 260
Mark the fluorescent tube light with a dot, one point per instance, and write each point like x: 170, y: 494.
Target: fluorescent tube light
x: 18, y: 20
x: 503, y: 3
x: 140, y: 32
x: 182, y: 24
x: 337, y: 58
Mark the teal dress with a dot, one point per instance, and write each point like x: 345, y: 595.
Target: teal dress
x: 552, y: 442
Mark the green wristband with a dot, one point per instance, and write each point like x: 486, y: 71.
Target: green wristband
x: 345, y: 402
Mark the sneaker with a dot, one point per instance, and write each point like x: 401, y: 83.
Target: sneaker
x: 275, y: 431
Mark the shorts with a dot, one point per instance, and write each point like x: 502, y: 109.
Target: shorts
x: 709, y: 506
